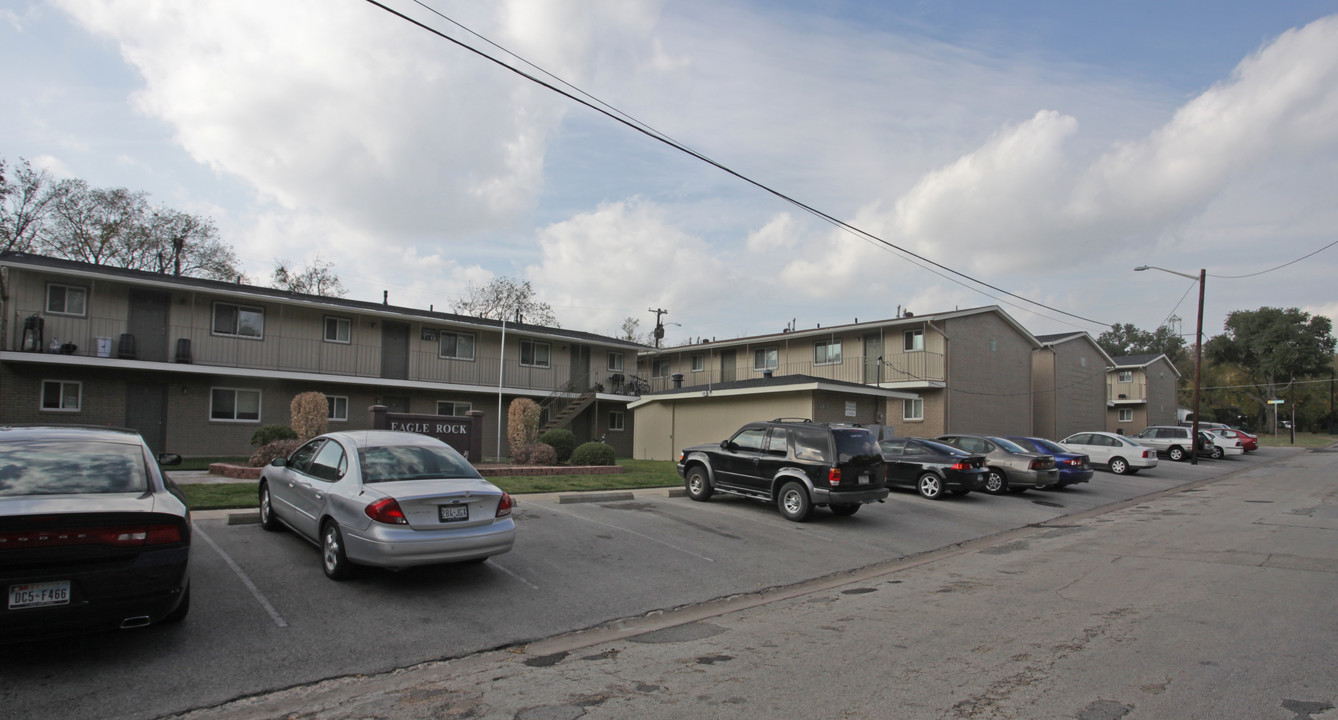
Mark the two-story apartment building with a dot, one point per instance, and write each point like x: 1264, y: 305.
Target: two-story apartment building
x: 198, y: 365
x: 1141, y: 391
x: 960, y: 371
x: 1069, y: 375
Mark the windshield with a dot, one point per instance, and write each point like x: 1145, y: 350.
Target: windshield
x: 62, y: 467
x: 412, y: 462
x: 1047, y: 446
x: 1009, y: 445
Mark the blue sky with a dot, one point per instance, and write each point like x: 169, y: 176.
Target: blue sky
x: 1046, y: 148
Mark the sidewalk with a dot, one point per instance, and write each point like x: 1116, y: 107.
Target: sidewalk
x: 1212, y: 602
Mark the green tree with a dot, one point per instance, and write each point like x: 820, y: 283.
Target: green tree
x: 1272, y: 348
x: 1127, y: 339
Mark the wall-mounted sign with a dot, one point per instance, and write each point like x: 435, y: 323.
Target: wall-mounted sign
x: 851, y: 409
x: 429, y: 334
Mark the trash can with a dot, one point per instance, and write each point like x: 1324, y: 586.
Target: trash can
x: 104, y: 347
x: 126, y: 349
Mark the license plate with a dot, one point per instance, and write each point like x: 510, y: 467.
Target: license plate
x: 453, y: 513
x: 864, y: 479
x: 32, y: 595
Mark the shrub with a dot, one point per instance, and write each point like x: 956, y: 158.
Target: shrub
x: 522, y: 424
x: 593, y: 453
x: 562, y: 442
x: 311, y: 415
x: 273, y: 449
x: 542, y: 454
x: 270, y: 433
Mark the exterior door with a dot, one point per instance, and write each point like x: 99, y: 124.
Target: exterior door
x: 146, y: 411
x: 728, y: 366
x: 148, y: 324
x: 394, y: 350
x: 580, y: 367
x: 873, y: 349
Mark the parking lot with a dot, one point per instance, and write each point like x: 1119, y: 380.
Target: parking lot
x: 264, y: 616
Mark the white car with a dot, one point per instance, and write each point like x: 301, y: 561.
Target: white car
x: 1118, y: 453
x: 1221, y: 445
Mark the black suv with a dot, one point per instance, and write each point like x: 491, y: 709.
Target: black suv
x: 794, y: 463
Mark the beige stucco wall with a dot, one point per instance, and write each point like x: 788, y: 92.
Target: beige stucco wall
x: 664, y: 428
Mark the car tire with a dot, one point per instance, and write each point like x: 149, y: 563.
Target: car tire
x: 698, y: 484
x: 334, y: 561
x: 182, y: 609
x: 930, y: 486
x: 845, y: 510
x: 793, y: 502
x: 267, y: 519
x: 1119, y: 465
x: 1176, y: 453
x: 996, y: 482
x: 1218, y: 453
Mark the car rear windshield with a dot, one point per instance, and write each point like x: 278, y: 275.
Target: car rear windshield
x: 412, y: 462
x: 63, y: 467
x: 1046, y: 446
x: 855, y: 445
x: 1009, y: 445
x: 942, y: 449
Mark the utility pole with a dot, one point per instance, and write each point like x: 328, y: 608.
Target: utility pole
x: 659, y: 326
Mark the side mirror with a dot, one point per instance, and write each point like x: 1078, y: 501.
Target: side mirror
x: 726, y: 445
x: 279, y: 461
x: 169, y: 459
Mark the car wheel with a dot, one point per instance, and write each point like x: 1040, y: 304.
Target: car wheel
x: 845, y: 510
x: 793, y: 502
x: 1119, y: 465
x: 267, y: 519
x: 333, y: 559
x: 181, y: 610
x: 1176, y: 453
x: 1218, y: 453
x: 699, y: 486
x: 995, y: 482
x: 930, y: 486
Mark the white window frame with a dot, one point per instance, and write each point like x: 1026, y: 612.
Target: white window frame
x: 615, y: 361
x: 83, y: 293
x: 1124, y: 376
x: 534, y: 346
x: 237, y: 331
x: 340, y: 323
x: 769, y: 357
x: 235, y: 391
x: 473, y: 345
x: 698, y: 362
x: 827, y: 345
x: 65, y: 385
x: 913, y: 341
x: 1126, y: 415
x: 616, y: 421
x: 912, y: 409
x: 332, y: 408
x: 455, y: 407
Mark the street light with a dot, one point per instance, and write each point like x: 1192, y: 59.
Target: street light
x: 1198, y: 353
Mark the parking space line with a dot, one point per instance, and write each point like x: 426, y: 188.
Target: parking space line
x: 633, y: 532
x: 259, y: 596
x: 517, y: 577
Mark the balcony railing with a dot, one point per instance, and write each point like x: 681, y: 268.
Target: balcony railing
x: 1127, y: 392
x: 896, y: 368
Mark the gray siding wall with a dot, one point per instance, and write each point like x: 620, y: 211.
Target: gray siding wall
x: 989, y: 376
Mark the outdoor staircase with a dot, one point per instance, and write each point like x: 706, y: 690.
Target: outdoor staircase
x: 563, y: 416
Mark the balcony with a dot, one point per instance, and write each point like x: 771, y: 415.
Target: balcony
x: 913, y: 367
x: 1126, y: 393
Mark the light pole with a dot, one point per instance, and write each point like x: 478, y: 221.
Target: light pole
x: 1198, y: 354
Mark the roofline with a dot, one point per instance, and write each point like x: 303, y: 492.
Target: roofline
x: 1149, y: 362
x: 1076, y: 335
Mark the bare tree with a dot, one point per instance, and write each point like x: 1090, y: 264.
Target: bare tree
x: 504, y: 298
x: 631, y: 330
x: 318, y: 278
x: 25, y: 196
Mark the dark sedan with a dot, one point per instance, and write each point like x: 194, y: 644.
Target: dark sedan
x: 92, y: 534
x: 1073, y: 467
x: 932, y: 468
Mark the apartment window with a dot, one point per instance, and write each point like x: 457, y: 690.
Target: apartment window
x: 913, y: 340
x: 615, y: 362
x: 826, y: 352
x: 616, y: 421
x: 534, y: 354
x: 61, y: 395
x: 1126, y: 415
x: 913, y: 409
x: 453, y: 407
x: 698, y: 362
x: 1125, y: 376
x: 457, y: 346
x: 66, y: 300
x: 338, y: 330
x: 766, y: 358
x: 234, y: 404
x: 337, y: 408
x: 239, y: 320
x: 659, y: 367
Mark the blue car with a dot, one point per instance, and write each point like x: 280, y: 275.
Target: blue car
x: 1073, y: 467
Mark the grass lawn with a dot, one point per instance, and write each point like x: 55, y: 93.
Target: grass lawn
x: 1308, y: 440
x: 638, y: 474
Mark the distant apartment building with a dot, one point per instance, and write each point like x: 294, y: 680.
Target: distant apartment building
x: 1141, y: 391
x: 1069, y: 375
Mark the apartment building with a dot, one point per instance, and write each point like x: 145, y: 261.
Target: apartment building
x: 1069, y: 376
x: 1141, y: 391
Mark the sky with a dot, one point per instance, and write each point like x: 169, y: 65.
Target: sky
x: 1044, y: 148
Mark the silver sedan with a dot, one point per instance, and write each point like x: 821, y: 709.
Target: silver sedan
x: 386, y: 499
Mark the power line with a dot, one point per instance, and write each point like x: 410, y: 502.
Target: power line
x: 622, y: 118
x: 1261, y: 272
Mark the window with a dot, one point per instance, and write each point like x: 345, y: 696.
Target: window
x: 616, y: 421
x: 826, y: 352
x: 913, y: 409
x: 615, y: 362
x: 778, y: 443
x: 234, y: 404
x: 913, y: 340
x: 698, y: 362
x: 1125, y: 376
x: 453, y: 407
x: 1126, y: 414
x: 338, y: 330
x: 533, y: 354
x: 458, y: 346
x: 330, y: 462
x: 66, y: 300
x: 750, y: 439
x: 766, y: 358
x: 659, y: 367
x: 239, y: 320
x: 338, y: 408
x: 61, y: 395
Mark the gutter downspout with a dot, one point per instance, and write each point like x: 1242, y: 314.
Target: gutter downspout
x: 947, y: 384
x: 501, y: 372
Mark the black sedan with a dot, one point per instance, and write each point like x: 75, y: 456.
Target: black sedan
x: 932, y: 468
x: 92, y: 534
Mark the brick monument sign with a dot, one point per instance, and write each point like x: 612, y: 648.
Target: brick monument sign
x: 465, y: 434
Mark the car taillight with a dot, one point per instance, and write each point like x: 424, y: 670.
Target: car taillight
x: 1034, y: 465
x: 127, y: 536
x: 834, y: 477
x: 504, y: 505
x: 961, y: 466
x: 387, y: 511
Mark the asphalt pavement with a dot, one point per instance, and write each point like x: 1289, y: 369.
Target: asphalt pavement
x: 1214, y: 599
